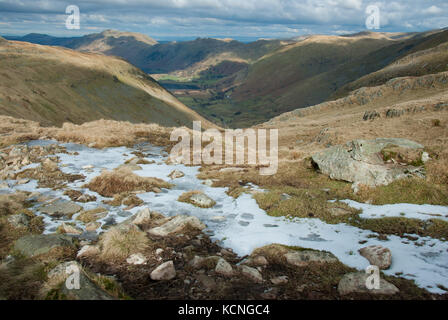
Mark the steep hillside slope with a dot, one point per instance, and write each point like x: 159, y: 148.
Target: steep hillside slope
x: 428, y: 55
x: 55, y: 85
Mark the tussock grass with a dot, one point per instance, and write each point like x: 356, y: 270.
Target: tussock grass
x: 12, y: 203
x: 102, y: 133
x: 120, y: 242
x: 117, y: 181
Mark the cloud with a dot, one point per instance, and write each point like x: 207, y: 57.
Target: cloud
x: 254, y: 18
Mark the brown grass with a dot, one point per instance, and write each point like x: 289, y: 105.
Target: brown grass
x: 117, y: 181
x: 103, y: 133
x: 120, y: 242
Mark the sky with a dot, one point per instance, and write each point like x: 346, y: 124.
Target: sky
x: 237, y: 19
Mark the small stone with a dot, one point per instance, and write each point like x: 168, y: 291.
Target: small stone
x: 196, y: 262
x: 92, y: 226
x: 88, y: 250
x: 23, y: 181
x: 88, y: 167
x: 303, y: 258
x: 176, y: 225
x: 176, y: 174
x: 257, y: 261
x: 69, y: 229
x: 202, y: 200
x: 159, y: 251
x: 251, y: 273
x: 142, y: 217
x: 136, y: 259
x: 223, y: 268
x: 425, y: 157
x: 280, y: 280
x: 378, y: 256
x: 165, y: 271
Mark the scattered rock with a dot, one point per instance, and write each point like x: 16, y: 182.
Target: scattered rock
x: 165, y: 271
x: 176, y: 174
x: 69, y: 229
x: 378, y: 256
x: 202, y: 200
x: 23, y: 181
x: 176, y: 225
x: 257, y: 261
x: 142, y: 217
x: 88, y: 250
x: 33, y: 245
x: 88, y: 289
x: 196, y: 262
x: 251, y: 273
x: 371, y: 115
x: 20, y: 220
x: 223, y: 268
x: 280, y: 280
x: 425, y: 157
x: 356, y: 283
x: 137, y: 259
x: 61, y: 208
x: 92, y: 226
x: 305, y: 257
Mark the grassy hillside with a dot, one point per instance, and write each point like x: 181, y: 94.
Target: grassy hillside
x: 55, y: 85
x: 424, y: 54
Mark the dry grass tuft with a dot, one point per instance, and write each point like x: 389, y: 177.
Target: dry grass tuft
x: 120, y: 242
x: 122, y: 180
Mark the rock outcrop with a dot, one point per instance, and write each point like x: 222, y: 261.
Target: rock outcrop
x: 362, y: 162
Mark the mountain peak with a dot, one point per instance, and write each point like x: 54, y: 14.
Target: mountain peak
x: 137, y: 36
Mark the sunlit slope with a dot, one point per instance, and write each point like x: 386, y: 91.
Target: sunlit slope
x: 55, y: 85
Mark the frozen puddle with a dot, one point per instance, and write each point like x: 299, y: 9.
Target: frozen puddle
x: 241, y: 225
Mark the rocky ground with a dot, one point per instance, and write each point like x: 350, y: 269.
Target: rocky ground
x: 150, y: 255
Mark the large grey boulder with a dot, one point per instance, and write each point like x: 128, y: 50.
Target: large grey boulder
x: 361, y: 162
x: 356, y: 283
x: 34, y: 245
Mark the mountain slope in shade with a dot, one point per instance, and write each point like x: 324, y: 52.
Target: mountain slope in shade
x: 55, y: 85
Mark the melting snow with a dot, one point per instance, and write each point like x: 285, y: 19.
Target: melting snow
x: 241, y: 225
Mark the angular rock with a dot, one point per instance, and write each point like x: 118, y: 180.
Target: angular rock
x: 165, y: 271
x: 303, y: 258
x: 356, y: 283
x: 360, y: 162
x: 176, y: 225
x: 61, y: 208
x: 136, y: 259
x: 69, y: 229
x: 378, y: 256
x: 257, y: 261
x: 202, y: 200
x: 33, y: 245
x: 92, y: 226
x: 223, y: 268
x: 88, y: 250
x: 142, y: 217
x: 196, y: 262
x: 251, y: 273
x: 280, y: 280
x: 176, y: 174
x: 88, y: 289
